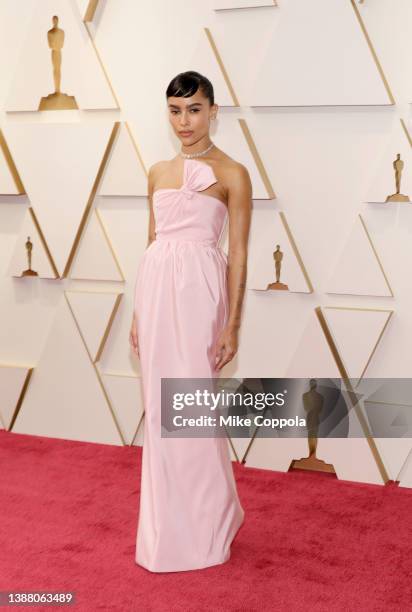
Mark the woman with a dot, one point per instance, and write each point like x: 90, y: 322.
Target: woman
x: 187, y: 312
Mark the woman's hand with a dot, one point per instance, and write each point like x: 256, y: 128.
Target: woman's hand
x: 226, y: 347
x: 133, y: 337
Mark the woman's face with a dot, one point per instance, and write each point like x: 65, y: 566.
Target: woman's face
x: 190, y: 117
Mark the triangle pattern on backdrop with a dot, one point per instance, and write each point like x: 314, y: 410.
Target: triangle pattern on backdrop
x: 10, y: 181
x: 54, y: 195
x: 87, y: 8
x: 223, y: 5
x: 314, y: 78
x: 94, y: 312
x: 356, y: 333
x: 127, y: 401
x: 94, y: 258
x: 14, y: 381
x: 207, y: 59
x: 405, y: 475
x: 56, y: 405
x: 358, y: 270
x: 124, y: 174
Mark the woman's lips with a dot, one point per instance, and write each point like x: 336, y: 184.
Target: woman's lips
x: 186, y: 133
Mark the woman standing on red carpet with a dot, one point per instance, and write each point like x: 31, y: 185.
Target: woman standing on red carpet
x: 187, y: 313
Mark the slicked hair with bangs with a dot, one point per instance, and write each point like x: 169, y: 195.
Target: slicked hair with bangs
x: 186, y: 84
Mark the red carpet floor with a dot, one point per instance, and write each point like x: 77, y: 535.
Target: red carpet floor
x: 309, y: 542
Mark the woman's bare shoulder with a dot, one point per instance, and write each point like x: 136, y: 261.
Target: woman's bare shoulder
x: 233, y: 172
x: 230, y: 166
x: 158, y: 166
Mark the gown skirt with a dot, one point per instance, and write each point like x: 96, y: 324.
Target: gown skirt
x: 189, y: 509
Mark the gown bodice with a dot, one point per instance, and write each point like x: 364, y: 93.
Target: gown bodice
x: 186, y: 213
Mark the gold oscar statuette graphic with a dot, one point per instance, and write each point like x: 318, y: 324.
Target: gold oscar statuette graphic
x: 313, y: 405
x: 57, y: 100
x: 29, y: 248
x: 278, y: 256
x: 397, y: 196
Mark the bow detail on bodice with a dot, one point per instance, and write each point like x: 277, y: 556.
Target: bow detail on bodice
x: 197, y: 176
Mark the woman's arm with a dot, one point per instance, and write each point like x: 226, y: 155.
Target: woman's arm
x: 133, y: 340
x: 240, y: 208
x: 150, y: 187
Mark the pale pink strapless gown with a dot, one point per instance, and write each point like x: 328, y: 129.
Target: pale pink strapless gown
x: 189, y: 506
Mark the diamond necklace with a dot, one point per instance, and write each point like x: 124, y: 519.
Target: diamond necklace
x: 191, y: 155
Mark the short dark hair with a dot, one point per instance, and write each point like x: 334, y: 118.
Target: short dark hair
x: 186, y: 84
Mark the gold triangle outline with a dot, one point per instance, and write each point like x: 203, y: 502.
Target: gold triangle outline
x: 95, y: 368
x: 22, y: 394
x: 373, y: 52
x: 375, y: 252
x: 138, y: 154
x: 257, y: 158
x: 109, y: 323
x: 222, y: 67
x: 344, y: 375
x: 404, y: 465
x: 96, y: 212
x: 90, y: 10
x: 88, y: 18
x: 241, y: 8
x: 124, y: 375
x: 11, y: 166
x: 405, y: 129
x: 90, y: 200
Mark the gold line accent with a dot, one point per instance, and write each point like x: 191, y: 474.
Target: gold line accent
x: 137, y: 429
x: 387, y: 403
x: 115, y: 374
x: 376, y: 254
x: 21, y: 398
x: 11, y: 166
x: 91, y: 199
x: 372, y: 50
x: 257, y: 158
x: 108, y: 327
x: 376, y: 345
x: 106, y: 396
x: 351, y: 392
x: 106, y: 332
x: 86, y: 25
x: 222, y: 67
x: 241, y: 8
x: 90, y: 11
x: 404, y: 465
x: 357, y: 308
x: 106, y: 235
x: 296, y: 251
x: 232, y: 446
x: 249, y: 446
x: 379, y: 263
x: 136, y: 147
x: 44, y: 243
x: 405, y: 129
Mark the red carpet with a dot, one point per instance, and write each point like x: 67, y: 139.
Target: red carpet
x: 69, y: 517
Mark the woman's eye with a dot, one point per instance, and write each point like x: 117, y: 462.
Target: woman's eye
x: 192, y: 110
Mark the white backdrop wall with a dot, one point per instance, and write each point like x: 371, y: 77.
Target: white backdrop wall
x: 324, y: 90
